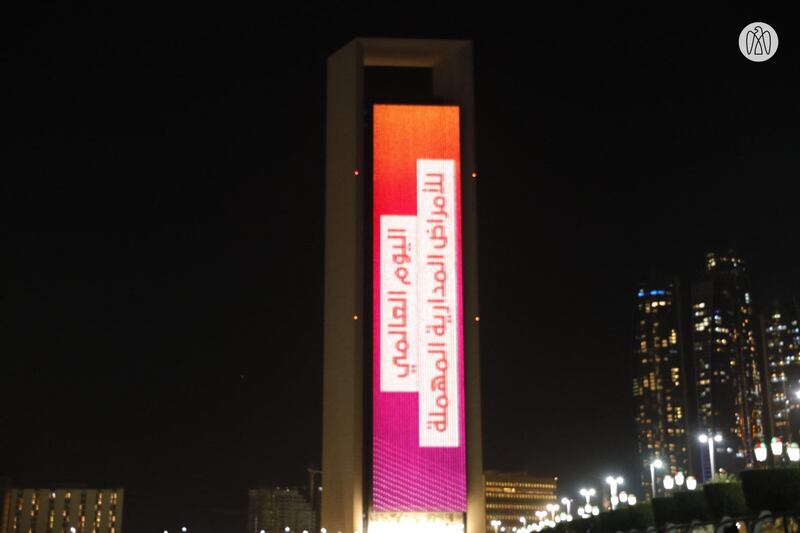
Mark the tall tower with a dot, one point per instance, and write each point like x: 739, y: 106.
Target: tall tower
x: 780, y: 337
x: 401, y: 432
x: 659, y: 382
x: 727, y: 366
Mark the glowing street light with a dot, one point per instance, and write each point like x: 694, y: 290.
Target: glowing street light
x: 707, y: 438
x: 653, y: 465
x: 623, y: 497
x: 760, y: 452
x: 552, y: 508
x: 587, y: 493
x: 679, y: 479
x: 793, y: 451
x: 669, y: 482
x: 495, y: 524
x: 691, y: 483
x: 613, y: 483
x: 632, y: 500
x: 777, y: 446
x: 567, y: 503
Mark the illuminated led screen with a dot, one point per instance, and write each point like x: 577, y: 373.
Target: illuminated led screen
x: 419, y: 461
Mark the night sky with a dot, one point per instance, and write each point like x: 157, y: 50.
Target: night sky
x: 162, y: 230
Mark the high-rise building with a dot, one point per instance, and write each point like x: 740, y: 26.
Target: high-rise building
x: 511, y: 495
x: 727, y: 365
x: 64, y: 510
x: 5, y: 502
x: 659, y: 381
x: 275, y: 509
x: 401, y: 420
x: 780, y: 338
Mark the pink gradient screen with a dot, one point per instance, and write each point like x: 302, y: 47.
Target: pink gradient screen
x: 419, y: 460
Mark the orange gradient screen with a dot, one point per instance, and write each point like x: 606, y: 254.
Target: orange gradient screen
x: 419, y: 461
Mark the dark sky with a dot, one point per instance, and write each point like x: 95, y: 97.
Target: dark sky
x: 162, y: 222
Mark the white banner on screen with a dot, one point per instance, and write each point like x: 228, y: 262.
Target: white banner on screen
x: 438, y: 304
x: 399, y: 322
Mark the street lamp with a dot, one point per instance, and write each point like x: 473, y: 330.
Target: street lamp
x: 613, y: 483
x: 587, y: 493
x: 691, y: 483
x: 777, y: 446
x: 793, y: 451
x: 567, y: 503
x: 760, y: 452
x: 552, y: 508
x: 495, y: 524
x: 631, y: 500
x: 679, y: 479
x: 623, y: 497
x: 707, y: 438
x: 669, y: 483
x: 653, y: 465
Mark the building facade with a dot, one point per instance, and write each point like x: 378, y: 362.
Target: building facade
x: 511, y: 495
x: 728, y: 369
x: 659, y: 382
x: 780, y: 337
x: 275, y: 509
x: 401, y: 435
x: 70, y: 510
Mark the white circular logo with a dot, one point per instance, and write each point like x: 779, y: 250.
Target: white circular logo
x: 758, y: 41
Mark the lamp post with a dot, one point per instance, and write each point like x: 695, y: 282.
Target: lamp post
x: 587, y: 493
x: 793, y: 451
x: 613, y: 483
x: 707, y: 438
x: 567, y: 503
x: 653, y: 465
x: 552, y: 508
x: 777, y: 448
x: 776, y: 445
x: 495, y: 524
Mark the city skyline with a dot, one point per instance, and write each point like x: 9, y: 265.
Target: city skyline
x: 162, y: 319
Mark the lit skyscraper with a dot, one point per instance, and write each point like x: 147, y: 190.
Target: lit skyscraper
x: 780, y: 336
x: 63, y: 510
x: 727, y: 365
x: 659, y: 385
